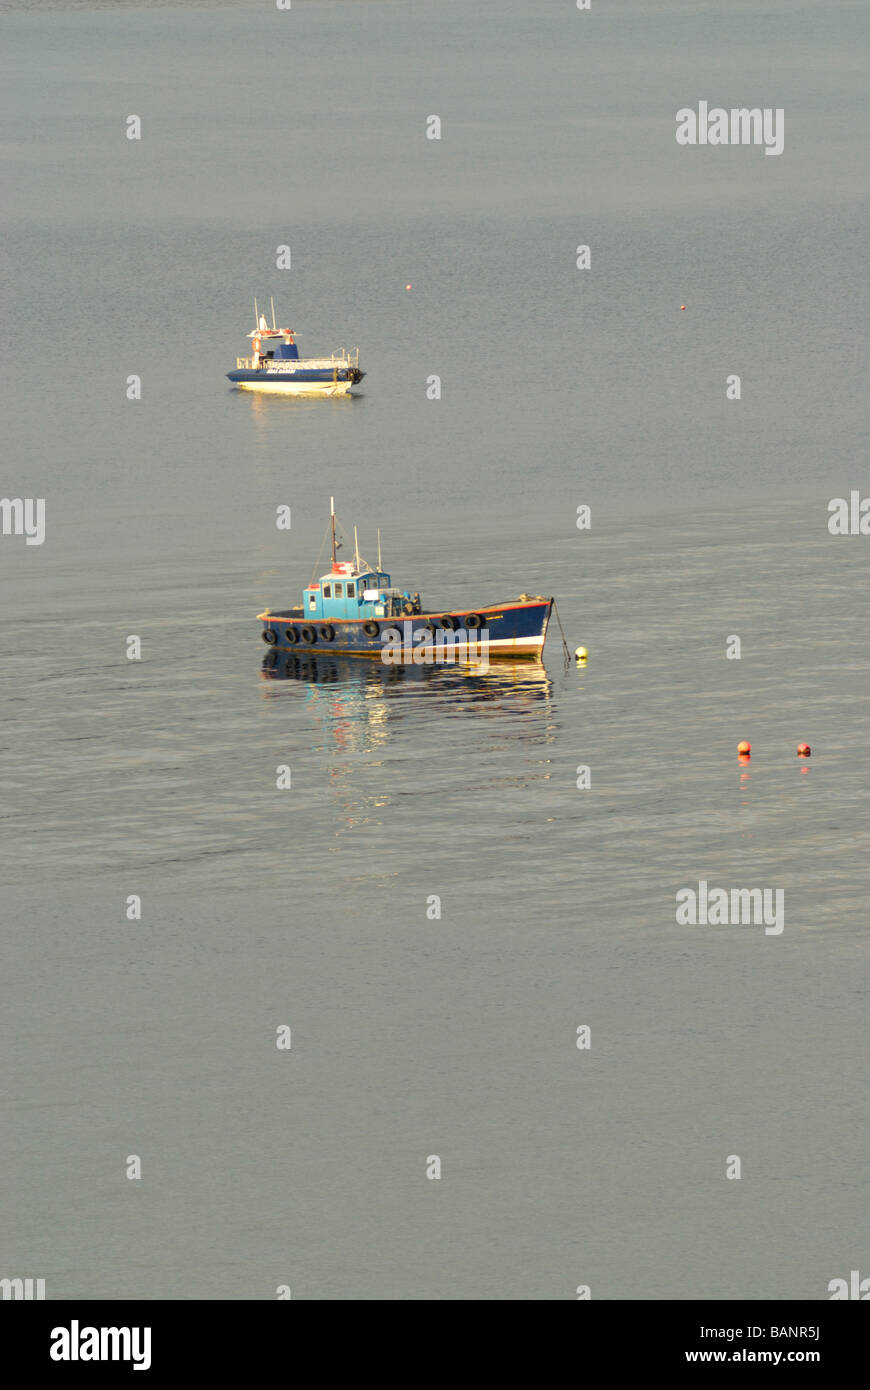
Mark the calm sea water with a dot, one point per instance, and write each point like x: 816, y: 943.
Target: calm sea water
x: 308, y: 907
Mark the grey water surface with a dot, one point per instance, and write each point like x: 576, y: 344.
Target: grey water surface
x: 412, y: 1035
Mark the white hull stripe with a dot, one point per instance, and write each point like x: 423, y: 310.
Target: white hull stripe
x: 505, y: 644
x: 297, y: 388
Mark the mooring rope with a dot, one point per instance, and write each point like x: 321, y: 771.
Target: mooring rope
x: 565, y: 647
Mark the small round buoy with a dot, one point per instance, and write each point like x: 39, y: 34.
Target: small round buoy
x: 407, y: 287
x: 682, y: 306
x: 804, y: 750
x: 581, y: 653
x: 744, y: 747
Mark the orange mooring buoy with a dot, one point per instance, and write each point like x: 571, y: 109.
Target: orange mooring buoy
x: 744, y: 747
x: 804, y: 750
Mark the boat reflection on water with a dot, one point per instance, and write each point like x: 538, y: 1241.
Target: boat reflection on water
x: 526, y: 679
x: 356, y: 710
x: 360, y: 692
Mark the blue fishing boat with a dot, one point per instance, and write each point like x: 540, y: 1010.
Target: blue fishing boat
x: 275, y: 365
x: 355, y: 609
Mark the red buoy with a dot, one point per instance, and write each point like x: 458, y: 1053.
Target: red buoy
x: 804, y: 750
x: 744, y: 747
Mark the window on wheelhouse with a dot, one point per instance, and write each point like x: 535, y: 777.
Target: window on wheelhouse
x: 338, y: 591
x: 326, y: 591
x: 350, y: 592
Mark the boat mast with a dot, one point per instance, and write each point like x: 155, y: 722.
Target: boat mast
x: 355, y: 549
x: 256, y: 315
x: 332, y: 519
x: 273, y: 314
x: 379, y: 550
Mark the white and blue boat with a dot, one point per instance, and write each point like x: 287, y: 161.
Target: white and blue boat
x: 275, y: 365
x: 355, y: 609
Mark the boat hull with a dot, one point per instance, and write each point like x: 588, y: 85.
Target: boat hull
x: 305, y: 382
x: 297, y: 388
x: 515, y: 630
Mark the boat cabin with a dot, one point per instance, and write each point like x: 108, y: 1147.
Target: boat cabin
x: 356, y: 591
x: 274, y: 343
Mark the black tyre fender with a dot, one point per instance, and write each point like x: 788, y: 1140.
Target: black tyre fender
x: 291, y: 636
x: 449, y: 622
x: 308, y: 635
x: 326, y: 632
x: 270, y: 636
x: 371, y: 629
x: 473, y: 620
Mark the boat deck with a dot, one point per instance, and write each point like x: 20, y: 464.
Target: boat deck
x: 293, y: 364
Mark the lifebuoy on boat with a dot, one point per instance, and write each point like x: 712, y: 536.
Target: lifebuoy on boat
x: 408, y: 607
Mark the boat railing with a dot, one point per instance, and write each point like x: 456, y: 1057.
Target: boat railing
x: 284, y: 364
